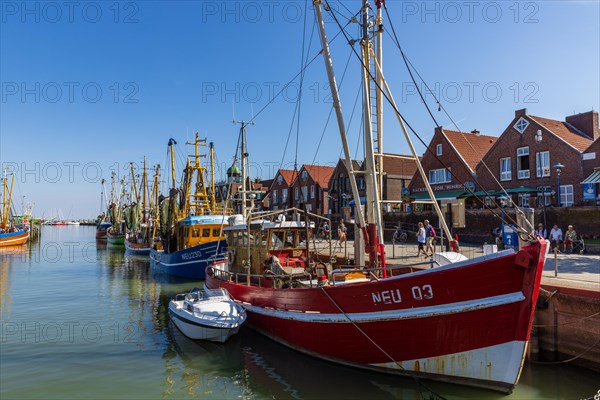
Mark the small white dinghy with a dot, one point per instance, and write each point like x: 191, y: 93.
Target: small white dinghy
x: 207, y: 314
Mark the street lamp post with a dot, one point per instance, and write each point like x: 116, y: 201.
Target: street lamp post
x: 558, y: 168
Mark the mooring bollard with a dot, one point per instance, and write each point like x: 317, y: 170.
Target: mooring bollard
x: 555, y: 261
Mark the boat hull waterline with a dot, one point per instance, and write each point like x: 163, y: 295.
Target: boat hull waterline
x: 14, y: 238
x: 142, y: 249
x: 467, y: 322
x: 188, y: 263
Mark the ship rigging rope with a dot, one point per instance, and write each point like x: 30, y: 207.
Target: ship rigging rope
x: 299, y: 102
x: 408, y: 65
x: 437, y: 396
x: 284, y: 87
x: 385, y: 95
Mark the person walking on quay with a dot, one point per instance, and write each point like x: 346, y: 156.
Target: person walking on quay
x: 570, y: 237
x: 421, y: 237
x: 342, y: 231
x: 429, y: 236
x: 541, y: 231
x: 555, y: 237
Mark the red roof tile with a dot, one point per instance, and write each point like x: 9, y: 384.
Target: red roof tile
x: 320, y: 174
x: 472, y: 147
x: 565, y: 131
x: 288, y: 175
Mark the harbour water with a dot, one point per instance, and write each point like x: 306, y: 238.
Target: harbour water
x: 83, y: 320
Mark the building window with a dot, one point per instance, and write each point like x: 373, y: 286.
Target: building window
x: 284, y: 194
x: 296, y: 193
x: 312, y: 191
x: 440, y: 176
x: 274, y: 196
x: 438, y: 149
x: 304, y: 175
x: 279, y: 179
x: 521, y: 125
x: 304, y: 193
x: 566, y: 195
x: 524, y: 199
x: 542, y: 162
x: 361, y: 183
x: 523, y: 163
x: 505, y: 169
x: 545, y: 198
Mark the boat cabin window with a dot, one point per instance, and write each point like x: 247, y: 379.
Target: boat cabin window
x: 196, y: 232
x: 216, y: 232
x: 283, y: 239
x: 289, y: 239
x: 206, y: 232
x: 277, y: 239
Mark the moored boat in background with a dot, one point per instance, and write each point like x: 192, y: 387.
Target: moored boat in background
x: 191, y: 233
x: 11, y: 234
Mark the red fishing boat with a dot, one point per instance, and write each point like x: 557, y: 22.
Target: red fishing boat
x: 464, y: 321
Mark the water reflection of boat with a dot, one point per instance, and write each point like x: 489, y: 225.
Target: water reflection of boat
x: 272, y: 371
x: 221, y: 358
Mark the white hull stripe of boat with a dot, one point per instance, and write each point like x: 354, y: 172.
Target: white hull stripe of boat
x: 186, y: 262
x: 499, y: 363
x: 409, y: 313
x: 15, y: 240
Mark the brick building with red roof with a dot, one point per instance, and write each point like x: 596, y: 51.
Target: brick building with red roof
x: 310, y: 188
x: 450, y: 163
x: 279, y: 191
x: 524, y: 157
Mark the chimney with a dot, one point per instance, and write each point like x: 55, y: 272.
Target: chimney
x: 475, y: 132
x: 586, y: 122
x: 521, y: 113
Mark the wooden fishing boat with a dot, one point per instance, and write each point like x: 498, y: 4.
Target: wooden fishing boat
x: 11, y: 234
x: 465, y: 321
x: 140, y: 217
x: 101, y: 229
x: 115, y: 234
x: 18, y: 237
x: 114, y: 238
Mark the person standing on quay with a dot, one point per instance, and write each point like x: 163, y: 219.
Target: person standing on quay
x: 429, y: 235
x: 421, y: 237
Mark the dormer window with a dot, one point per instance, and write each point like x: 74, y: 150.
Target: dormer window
x: 521, y: 125
x: 438, y: 149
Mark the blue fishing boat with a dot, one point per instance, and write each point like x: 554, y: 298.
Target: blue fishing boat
x: 200, y: 242
x: 191, y: 232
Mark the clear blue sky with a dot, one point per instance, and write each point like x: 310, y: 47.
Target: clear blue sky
x: 90, y: 86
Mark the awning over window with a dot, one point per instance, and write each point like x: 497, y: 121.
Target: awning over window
x: 496, y: 193
x: 448, y: 195
x: 593, y: 178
